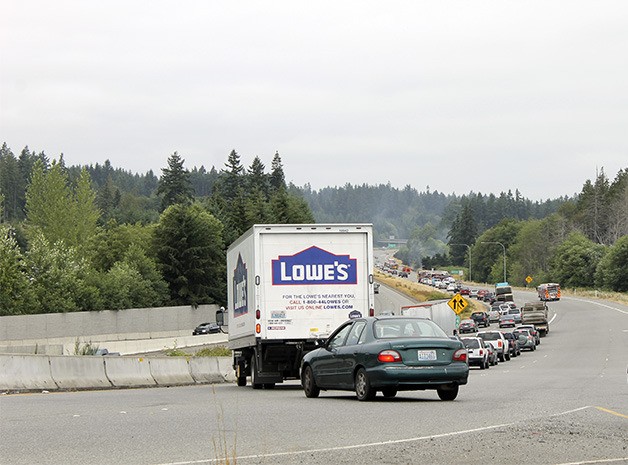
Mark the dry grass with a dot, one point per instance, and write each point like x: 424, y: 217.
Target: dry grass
x: 423, y: 293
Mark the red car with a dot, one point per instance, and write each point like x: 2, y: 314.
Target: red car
x: 464, y: 291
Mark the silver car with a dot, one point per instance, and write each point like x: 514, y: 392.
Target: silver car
x: 525, y: 338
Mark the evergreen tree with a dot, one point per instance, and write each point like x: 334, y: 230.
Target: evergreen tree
x: 258, y: 180
x: 463, y: 231
x: 190, y: 252
x: 16, y: 297
x: 49, y: 205
x: 277, y: 177
x: 612, y: 270
x: 175, y: 186
x: 86, y: 213
x: 575, y: 261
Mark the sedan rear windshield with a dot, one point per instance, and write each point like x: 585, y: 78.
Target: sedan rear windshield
x: 406, y: 327
x: 471, y: 343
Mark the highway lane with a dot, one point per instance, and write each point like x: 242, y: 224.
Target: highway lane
x: 567, y: 402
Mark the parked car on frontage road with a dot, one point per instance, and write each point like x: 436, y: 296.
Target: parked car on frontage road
x: 206, y: 328
x: 388, y: 354
x: 478, y: 353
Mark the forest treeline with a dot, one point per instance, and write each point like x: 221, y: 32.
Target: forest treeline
x: 99, y: 238
x: 96, y: 237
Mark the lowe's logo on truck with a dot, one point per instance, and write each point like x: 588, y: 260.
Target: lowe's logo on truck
x: 240, y: 300
x: 314, y: 266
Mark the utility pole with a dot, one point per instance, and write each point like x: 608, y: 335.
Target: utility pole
x: 504, y: 248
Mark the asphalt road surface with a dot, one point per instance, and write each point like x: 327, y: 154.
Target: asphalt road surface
x: 567, y: 402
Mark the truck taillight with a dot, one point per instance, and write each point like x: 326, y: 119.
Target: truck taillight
x: 258, y: 314
x: 258, y: 328
x: 460, y: 355
x: 389, y: 356
x: 372, y: 312
x: 499, y: 344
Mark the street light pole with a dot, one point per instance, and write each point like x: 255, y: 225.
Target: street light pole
x: 469, y: 249
x: 504, y: 248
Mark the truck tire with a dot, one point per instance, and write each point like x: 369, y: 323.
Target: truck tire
x: 242, y: 381
x: 309, y: 385
x: 254, y: 382
x: 363, y: 389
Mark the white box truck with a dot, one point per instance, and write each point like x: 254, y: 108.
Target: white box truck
x: 289, y: 286
x: 438, y: 311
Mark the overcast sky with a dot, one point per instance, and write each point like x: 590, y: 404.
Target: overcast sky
x: 460, y: 96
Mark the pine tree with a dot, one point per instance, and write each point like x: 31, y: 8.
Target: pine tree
x: 277, y: 177
x: 175, y: 185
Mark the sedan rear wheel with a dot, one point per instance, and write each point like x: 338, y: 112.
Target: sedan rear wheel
x: 309, y: 385
x: 363, y: 388
x: 448, y: 393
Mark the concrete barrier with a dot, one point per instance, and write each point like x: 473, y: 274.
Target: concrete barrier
x: 170, y: 371
x: 42, y: 372
x: 128, y: 371
x: 79, y: 372
x: 225, y: 365
x: 25, y: 372
x: 206, y: 370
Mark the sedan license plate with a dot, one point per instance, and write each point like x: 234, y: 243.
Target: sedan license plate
x: 427, y: 355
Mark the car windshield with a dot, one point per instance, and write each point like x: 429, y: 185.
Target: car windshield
x: 406, y: 327
x: 489, y: 336
x: 471, y: 343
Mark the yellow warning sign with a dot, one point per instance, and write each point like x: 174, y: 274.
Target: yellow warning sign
x: 529, y: 279
x: 458, y: 304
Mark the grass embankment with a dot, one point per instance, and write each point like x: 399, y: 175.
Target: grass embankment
x: 218, y: 351
x: 424, y: 293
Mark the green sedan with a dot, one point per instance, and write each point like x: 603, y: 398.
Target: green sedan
x: 386, y: 354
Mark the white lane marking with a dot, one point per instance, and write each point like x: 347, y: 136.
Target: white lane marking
x: 625, y: 312
x: 595, y: 461
x: 553, y: 318
x: 369, y: 444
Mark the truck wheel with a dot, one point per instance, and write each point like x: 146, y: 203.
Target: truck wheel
x: 309, y: 385
x: 448, y: 393
x: 507, y: 356
x: 501, y: 357
x: 242, y: 381
x: 363, y: 389
x: 254, y: 382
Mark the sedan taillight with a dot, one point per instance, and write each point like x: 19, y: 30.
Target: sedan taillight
x: 460, y: 355
x: 387, y: 356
